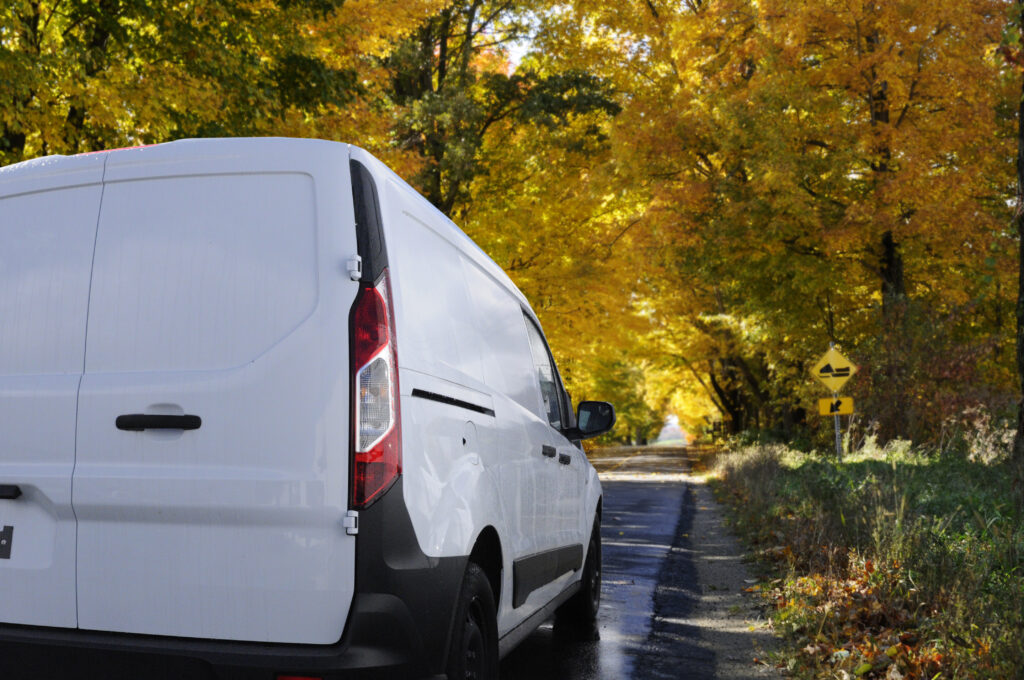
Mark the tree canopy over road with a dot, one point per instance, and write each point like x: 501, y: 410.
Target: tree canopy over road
x: 697, y: 195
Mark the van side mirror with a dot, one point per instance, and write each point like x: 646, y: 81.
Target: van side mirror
x: 593, y: 418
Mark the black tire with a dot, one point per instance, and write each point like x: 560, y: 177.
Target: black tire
x: 580, y: 611
x: 474, y: 651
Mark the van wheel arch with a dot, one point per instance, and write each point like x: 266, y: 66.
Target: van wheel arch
x: 487, y: 555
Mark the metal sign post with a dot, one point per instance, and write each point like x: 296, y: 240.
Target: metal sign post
x: 839, y: 438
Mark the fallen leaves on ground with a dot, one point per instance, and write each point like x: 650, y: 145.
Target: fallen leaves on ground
x: 867, y: 625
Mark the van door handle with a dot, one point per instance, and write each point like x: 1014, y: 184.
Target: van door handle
x: 548, y: 451
x: 564, y: 458
x: 9, y: 492
x: 136, y: 422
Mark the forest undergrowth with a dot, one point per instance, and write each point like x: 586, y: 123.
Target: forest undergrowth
x: 900, y: 562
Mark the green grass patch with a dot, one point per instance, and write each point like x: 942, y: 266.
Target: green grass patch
x: 894, y: 564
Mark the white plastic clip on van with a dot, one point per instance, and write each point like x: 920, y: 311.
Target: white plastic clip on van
x: 265, y: 412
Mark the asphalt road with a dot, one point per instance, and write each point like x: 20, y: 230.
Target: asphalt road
x: 672, y: 601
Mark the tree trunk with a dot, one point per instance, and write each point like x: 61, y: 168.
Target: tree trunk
x: 891, y: 269
x: 730, y: 398
x: 1018, y: 218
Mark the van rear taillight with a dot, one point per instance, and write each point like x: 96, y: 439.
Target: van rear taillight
x: 376, y: 435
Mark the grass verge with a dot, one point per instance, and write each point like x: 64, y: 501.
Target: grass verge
x: 895, y: 564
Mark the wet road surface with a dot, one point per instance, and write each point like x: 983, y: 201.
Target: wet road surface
x: 654, y: 583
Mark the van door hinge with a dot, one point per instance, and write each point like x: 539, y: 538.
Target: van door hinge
x: 351, y: 522
x: 354, y: 267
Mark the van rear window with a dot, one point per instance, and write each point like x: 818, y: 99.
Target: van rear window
x: 200, y: 272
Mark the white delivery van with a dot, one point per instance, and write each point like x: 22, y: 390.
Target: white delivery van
x: 265, y: 412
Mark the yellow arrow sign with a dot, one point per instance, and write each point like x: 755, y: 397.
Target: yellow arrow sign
x: 833, y: 370
x: 840, y: 406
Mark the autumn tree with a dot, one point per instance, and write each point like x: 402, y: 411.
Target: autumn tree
x: 82, y: 76
x: 1013, y: 40
x: 807, y: 163
x: 698, y: 196
x: 454, y: 82
x: 427, y: 85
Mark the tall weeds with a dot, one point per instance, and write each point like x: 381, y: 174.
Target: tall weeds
x: 923, y: 548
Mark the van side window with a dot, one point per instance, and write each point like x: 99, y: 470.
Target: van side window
x: 546, y: 374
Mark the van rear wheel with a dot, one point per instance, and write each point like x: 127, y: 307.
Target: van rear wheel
x: 579, y: 613
x: 474, y: 650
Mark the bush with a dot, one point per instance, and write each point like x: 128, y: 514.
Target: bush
x: 925, y: 369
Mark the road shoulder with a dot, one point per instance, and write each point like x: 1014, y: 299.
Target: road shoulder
x: 705, y: 625
x: 732, y: 621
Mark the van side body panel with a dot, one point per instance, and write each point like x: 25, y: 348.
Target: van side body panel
x: 464, y: 338
x: 457, y: 459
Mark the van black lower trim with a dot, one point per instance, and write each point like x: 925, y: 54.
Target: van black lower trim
x: 512, y: 638
x: 530, y: 573
x: 28, y: 653
x: 452, y: 401
x: 415, y: 592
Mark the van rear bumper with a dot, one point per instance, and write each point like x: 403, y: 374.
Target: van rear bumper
x: 382, y: 642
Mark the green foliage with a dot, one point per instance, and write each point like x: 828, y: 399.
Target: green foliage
x: 456, y: 90
x: 553, y: 99
x: 83, y: 76
x: 897, y: 548
x: 306, y: 82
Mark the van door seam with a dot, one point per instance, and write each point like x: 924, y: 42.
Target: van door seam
x: 81, y: 377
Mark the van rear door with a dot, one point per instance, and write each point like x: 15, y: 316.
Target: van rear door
x: 48, y: 212
x: 212, y: 475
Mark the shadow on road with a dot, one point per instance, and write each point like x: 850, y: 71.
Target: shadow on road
x: 645, y: 562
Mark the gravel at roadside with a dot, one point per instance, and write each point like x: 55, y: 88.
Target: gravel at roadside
x: 705, y: 626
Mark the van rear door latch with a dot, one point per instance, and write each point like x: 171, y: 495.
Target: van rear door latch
x: 351, y: 522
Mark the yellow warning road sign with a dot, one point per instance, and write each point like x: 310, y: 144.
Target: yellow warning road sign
x: 840, y: 406
x: 833, y: 370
